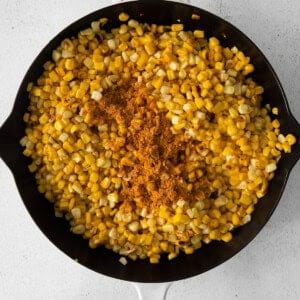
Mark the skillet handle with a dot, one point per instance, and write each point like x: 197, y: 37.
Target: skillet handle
x: 122, y: 1
x: 8, y: 141
x: 147, y: 291
x: 294, y: 156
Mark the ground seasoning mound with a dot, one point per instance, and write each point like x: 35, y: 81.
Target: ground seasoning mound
x: 156, y: 165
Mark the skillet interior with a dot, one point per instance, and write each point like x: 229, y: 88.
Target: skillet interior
x: 105, y: 261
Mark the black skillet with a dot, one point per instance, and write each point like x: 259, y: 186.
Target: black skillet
x: 102, y: 260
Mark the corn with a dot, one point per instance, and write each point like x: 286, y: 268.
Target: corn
x: 177, y: 27
x: 227, y: 237
x: 199, y: 34
x: 291, y: 140
x: 235, y: 220
x: 105, y: 183
x: 70, y: 64
x: 205, y: 93
x: 275, y: 111
x: 123, y: 17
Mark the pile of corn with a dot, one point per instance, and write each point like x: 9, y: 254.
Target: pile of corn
x: 204, y: 91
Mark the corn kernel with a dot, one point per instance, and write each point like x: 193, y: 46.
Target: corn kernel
x: 123, y: 17
x: 177, y: 27
x: 227, y: 237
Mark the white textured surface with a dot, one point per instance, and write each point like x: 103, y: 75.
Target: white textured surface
x: 32, y: 268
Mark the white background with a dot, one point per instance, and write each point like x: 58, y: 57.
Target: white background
x: 32, y: 268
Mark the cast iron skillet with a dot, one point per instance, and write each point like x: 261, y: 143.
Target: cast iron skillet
x: 105, y: 261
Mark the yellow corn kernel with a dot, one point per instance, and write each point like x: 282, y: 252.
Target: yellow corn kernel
x: 290, y: 138
x: 123, y: 17
x: 219, y: 66
x: 249, y: 68
x: 207, y: 84
x: 85, y: 138
x: 53, y: 76
x: 177, y: 27
x: 214, y: 234
x: 275, y: 110
x: 43, y: 118
x: 245, y: 199
x: 171, y: 74
x: 99, y: 66
x: 232, y: 130
x: 215, y: 213
x: 227, y: 237
x: 36, y: 91
x: 157, y: 82
x: 154, y: 259
x: 199, y: 34
x: 275, y: 123
x: 250, y: 209
x: 150, y: 48
x: 58, y: 125
x: 68, y: 76
x: 94, y: 177
x: 189, y: 250
x: 105, y: 183
x: 286, y: 148
x: 32, y: 167
x: 235, y: 220
x: 213, y: 42
x: 164, y: 246
x: 70, y: 64
x: 172, y: 255
x: 68, y: 147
